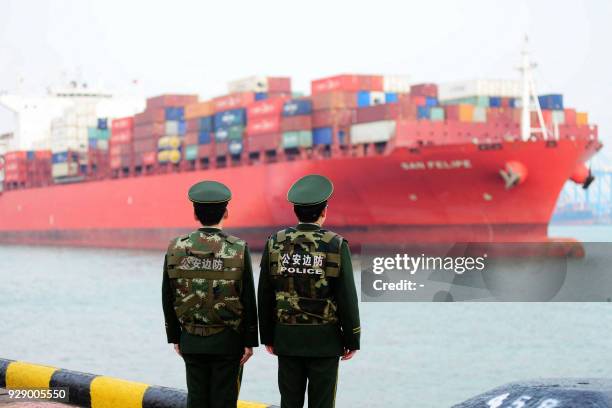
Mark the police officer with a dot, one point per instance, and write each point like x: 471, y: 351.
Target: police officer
x: 208, y: 299
x: 308, y: 307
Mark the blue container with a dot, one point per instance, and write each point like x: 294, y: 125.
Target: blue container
x: 495, y: 102
x: 431, y: 101
x: 363, y: 99
x: 235, y: 147
x: 175, y: 113
x: 93, y: 143
x: 260, y: 96
x: 102, y: 123
x: 206, y: 123
x: 552, y: 101
x: 228, y: 118
x: 322, y: 136
x: 203, y: 137
x: 30, y: 155
x: 512, y: 102
x: 297, y: 107
x: 182, y: 128
x: 422, y: 112
x: 390, y: 97
x: 59, y: 157
x: 221, y: 135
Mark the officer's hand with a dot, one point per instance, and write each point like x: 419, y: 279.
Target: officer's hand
x: 248, y: 352
x: 348, y: 354
x: 177, y: 349
x: 270, y: 349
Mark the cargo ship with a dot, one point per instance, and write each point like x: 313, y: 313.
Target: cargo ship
x: 480, y: 161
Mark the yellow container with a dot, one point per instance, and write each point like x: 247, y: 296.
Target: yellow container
x: 582, y: 118
x: 163, y: 156
x: 163, y: 142
x: 174, y: 156
x: 466, y: 112
x: 174, y: 142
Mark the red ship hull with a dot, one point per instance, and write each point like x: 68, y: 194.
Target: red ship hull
x: 438, y: 193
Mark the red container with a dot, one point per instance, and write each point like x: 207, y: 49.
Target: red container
x: 163, y: 101
x: 205, y: 150
x: 279, y: 84
x: 379, y: 112
x: 120, y: 149
x: 265, y: 108
x: 150, y: 116
x: 260, y: 143
x: 430, y: 90
x: 145, y: 145
x: 16, y: 155
x: 233, y: 101
x: 570, y: 116
x: 352, y: 83
x: 42, y: 155
x: 262, y: 126
x: 149, y: 158
x: 122, y: 136
x: 334, y: 100
x: 155, y: 130
x: 221, y: 149
x: 292, y: 123
x: 191, y: 138
x: 122, y: 124
x: 192, y: 125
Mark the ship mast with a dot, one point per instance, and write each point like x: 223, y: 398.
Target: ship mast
x: 529, y: 92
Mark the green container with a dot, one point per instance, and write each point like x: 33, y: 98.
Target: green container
x: 98, y: 134
x: 302, y: 138
x: 436, y: 114
x: 235, y: 133
x: 291, y: 140
x: 92, y: 133
x: 191, y: 152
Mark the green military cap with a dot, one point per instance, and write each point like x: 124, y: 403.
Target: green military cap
x: 209, y: 192
x: 310, y: 190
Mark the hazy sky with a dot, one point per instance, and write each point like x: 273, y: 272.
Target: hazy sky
x: 197, y: 46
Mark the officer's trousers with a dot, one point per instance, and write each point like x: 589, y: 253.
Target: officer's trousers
x: 213, y: 381
x: 321, y: 374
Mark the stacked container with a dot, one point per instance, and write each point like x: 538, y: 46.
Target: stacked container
x: 27, y: 169
x: 262, y: 87
x: 70, y: 131
x: 67, y: 165
x: 169, y: 146
x: 296, y: 124
x: 121, y: 145
x: 151, y: 125
x: 264, y: 125
x: 198, y: 141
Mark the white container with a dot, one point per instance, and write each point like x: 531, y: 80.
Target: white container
x: 372, y: 132
x: 250, y: 84
x: 558, y: 117
x: 480, y: 87
x: 377, y: 98
x: 172, y: 127
x: 64, y: 169
x: 480, y: 114
x: 396, y: 83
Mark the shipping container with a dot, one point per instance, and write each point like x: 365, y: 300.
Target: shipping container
x: 479, y: 114
x: 333, y: 117
x: 423, y: 112
x: 436, y: 114
x: 266, y: 108
x: 191, y: 152
x: 171, y: 127
x: 260, y: 96
x: 430, y: 90
x: 200, y: 109
x: 363, y: 99
x: 558, y: 117
x: 481, y: 87
x: 377, y: 113
x: 551, y: 101
x: 322, y: 136
x: 233, y: 101
x: 260, y: 84
x: 334, y: 100
x: 260, y: 126
x: 582, y: 118
x: 234, y: 147
x: 229, y: 118
x: 163, y: 101
x: 102, y: 123
x: 297, y: 139
x: 373, y: 132
x: 204, y: 137
x: 295, y: 123
x: 264, y: 142
x: 351, y: 83
x: 153, y: 115
x: 174, y: 113
x: 297, y: 107
x: 391, y: 97
x: 396, y: 83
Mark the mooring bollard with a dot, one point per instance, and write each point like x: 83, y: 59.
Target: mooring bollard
x: 90, y: 390
x: 548, y: 393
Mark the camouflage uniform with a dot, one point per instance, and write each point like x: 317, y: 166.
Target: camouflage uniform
x: 308, y: 310
x: 210, y: 310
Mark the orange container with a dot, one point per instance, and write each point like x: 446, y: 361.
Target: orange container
x: 466, y: 112
x: 198, y: 110
x: 582, y: 118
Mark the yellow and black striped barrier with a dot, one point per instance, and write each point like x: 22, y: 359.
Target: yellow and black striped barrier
x: 95, y: 391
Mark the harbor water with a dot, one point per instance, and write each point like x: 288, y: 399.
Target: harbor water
x: 99, y: 311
